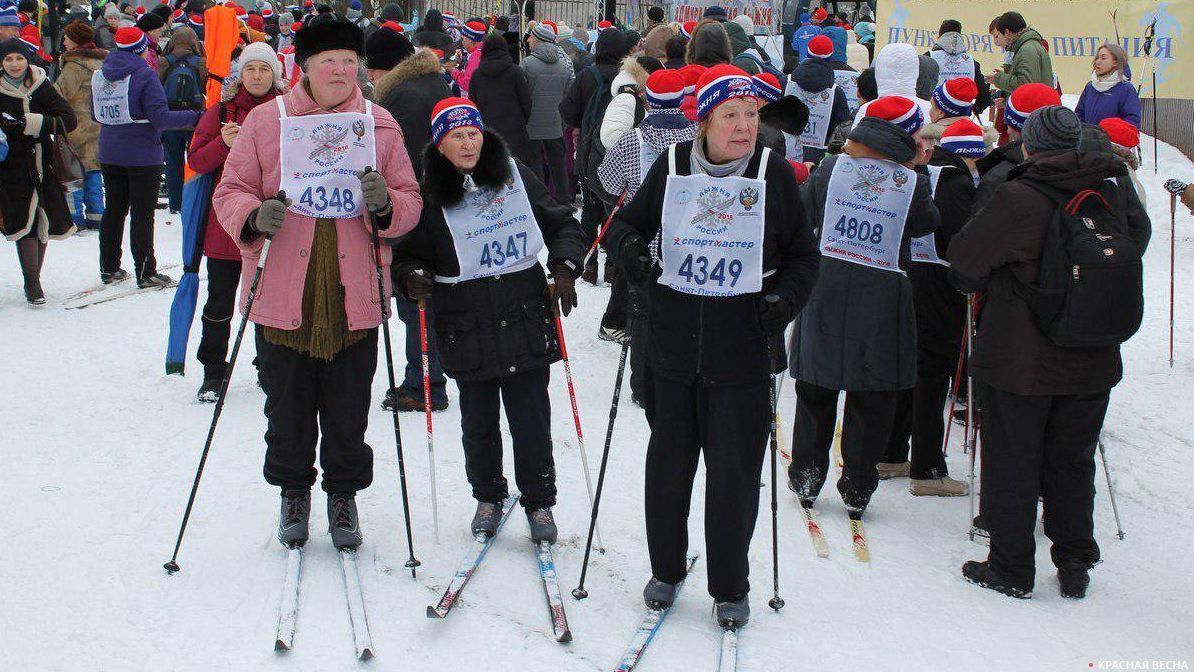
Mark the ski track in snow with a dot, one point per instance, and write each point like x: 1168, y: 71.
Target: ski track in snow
x: 99, y: 450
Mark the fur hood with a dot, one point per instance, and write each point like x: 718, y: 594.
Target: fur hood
x: 933, y: 131
x: 445, y: 185
x: 787, y: 114
x: 632, y: 72
x: 422, y: 63
x: 91, y: 59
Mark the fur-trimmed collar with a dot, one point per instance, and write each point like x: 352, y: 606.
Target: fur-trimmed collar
x: 445, y: 184
x: 787, y: 114
x: 422, y: 63
x: 82, y: 55
x: 25, y: 90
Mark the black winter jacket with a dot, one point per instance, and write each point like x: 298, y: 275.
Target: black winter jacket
x: 814, y: 74
x: 720, y: 339
x: 608, y: 55
x: 431, y: 33
x: 496, y: 326
x: 858, y: 332
x: 410, y: 92
x: 1001, y: 246
x: 994, y: 169
x: 503, y: 95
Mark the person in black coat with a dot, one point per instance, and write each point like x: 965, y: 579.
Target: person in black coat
x: 485, y: 217
x: 1043, y: 403
x: 716, y: 312
x: 431, y: 32
x: 858, y: 333
x: 32, y: 202
x: 503, y: 94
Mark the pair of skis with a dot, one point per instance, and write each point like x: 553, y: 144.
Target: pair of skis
x: 111, y: 292
x: 862, y: 551
x: 472, y: 560
x: 288, y: 609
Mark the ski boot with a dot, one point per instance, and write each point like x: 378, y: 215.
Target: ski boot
x: 1073, y: 577
x: 659, y: 594
x: 209, y: 391
x: 343, y: 523
x: 292, y: 521
x: 155, y: 280
x: 981, y: 574
x: 731, y: 615
x: 543, y: 526
x: 486, y: 519
x: 115, y: 276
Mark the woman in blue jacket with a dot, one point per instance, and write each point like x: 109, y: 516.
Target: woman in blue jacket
x: 1109, y: 93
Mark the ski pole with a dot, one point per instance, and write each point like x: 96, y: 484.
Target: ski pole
x: 776, y: 602
x: 604, y: 228
x: 172, y: 564
x: 1111, y: 491
x: 427, y: 411
x: 411, y: 562
x: 1175, y: 188
x: 580, y: 436
x: 971, y: 438
x: 579, y: 592
x: 956, y: 387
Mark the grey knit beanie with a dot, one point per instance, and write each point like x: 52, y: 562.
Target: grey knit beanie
x: 544, y: 32
x: 1051, y: 128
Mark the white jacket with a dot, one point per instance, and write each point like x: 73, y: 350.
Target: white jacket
x: 619, y: 116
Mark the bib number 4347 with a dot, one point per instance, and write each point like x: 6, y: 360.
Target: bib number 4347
x: 320, y: 200
x: 700, y: 270
x: 497, y: 253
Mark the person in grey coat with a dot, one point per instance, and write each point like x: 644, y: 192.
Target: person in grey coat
x: 858, y: 332
x: 549, y: 73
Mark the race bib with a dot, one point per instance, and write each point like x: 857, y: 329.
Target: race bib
x: 924, y: 249
x: 494, y: 231
x: 793, y: 150
x: 646, y: 156
x: 321, y: 156
x: 847, y: 81
x: 952, y: 66
x: 110, y: 100
x: 712, y: 238
x: 820, y: 110
x: 867, y: 206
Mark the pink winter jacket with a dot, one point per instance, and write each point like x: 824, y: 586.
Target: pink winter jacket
x: 252, y: 174
x: 464, y: 76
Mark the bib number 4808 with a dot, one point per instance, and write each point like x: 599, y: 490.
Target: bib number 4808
x: 319, y: 200
x: 495, y: 253
x: 863, y: 231
x: 697, y: 270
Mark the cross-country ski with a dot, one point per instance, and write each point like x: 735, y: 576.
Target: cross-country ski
x: 288, y: 607
x: 479, y: 546
x: 649, y: 626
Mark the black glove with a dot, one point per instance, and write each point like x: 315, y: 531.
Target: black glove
x: 565, y: 287
x: 419, y: 285
x: 774, y: 313
x: 635, y: 259
x: 12, y: 124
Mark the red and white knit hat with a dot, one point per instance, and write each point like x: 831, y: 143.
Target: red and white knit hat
x: 820, y: 47
x: 721, y: 84
x: 450, y: 114
x: 474, y: 30
x: 767, y: 86
x: 964, y: 138
x: 687, y: 27
x: 131, y: 39
x: 1121, y: 132
x: 898, y: 110
x: 665, y: 90
x: 692, y: 73
x: 604, y: 23
x: 956, y: 97
x: 1025, y: 100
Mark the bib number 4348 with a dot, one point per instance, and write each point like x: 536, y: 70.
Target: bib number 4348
x: 699, y: 270
x: 497, y: 253
x: 318, y: 199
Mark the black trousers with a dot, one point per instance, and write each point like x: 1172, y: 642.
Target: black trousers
x: 223, y: 281
x: 866, y: 429
x: 920, y: 419
x: 309, y: 400
x: 135, y: 189
x: 1037, y: 447
x: 729, y: 424
x: 528, y: 412
x: 640, y: 384
x: 557, y: 171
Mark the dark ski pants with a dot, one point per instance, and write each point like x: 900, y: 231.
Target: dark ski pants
x: 1033, y: 447
x: 223, y: 281
x: 557, y: 171
x: 920, y: 417
x: 412, y: 382
x: 309, y: 400
x: 729, y: 424
x: 135, y: 189
x: 866, y: 430
x: 640, y: 385
x: 528, y: 412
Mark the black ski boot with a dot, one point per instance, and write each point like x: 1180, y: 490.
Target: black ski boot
x: 209, y: 391
x: 543, y: 526
x: 1074, y: 578
x: 343, y: 523
x: 155, y: 280
x: 486, y: 519
x: 732, y: 614
x: 115, y: 276
x: 659, y: 594
x: 981, y: 574
x: 292, y: 522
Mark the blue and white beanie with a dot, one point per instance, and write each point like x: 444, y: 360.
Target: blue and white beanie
x: 453, y: 113
x: 9, y: 17
x: 720, y: 84
x: 964, y: 138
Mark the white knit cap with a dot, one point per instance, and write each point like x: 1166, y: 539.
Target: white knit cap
x: 260, y: 51
x: 746, y: 22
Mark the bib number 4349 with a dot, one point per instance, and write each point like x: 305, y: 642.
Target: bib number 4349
x: 318, y: 199
x: 697, y: 270
x: 497, y: 253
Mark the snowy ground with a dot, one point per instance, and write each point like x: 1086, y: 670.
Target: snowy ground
x: 99, y: 448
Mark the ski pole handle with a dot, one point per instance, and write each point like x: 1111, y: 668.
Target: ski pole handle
x: 1175, y: 187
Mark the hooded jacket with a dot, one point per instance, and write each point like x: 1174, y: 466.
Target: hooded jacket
x: 409, y: 92
x: 497, y: 326
x: 623, y: 112
x: 857, y: 55
x: 608, y: 54
x: 813, y: 75
x: 858, y: 331
x: 74, y: 83
x: 1030, y: 63
x: 801, y: 37
x: 995, y: 168
x: 431, y: 33
x: 1001, y: 247
x: 740, y: 44
x: 503, y: 95
x: 621, y: 169
x: 954, y: 43
x: 549, y: 73
x: 139, y: 144
x: 710, y: 45
x: 897, y: 71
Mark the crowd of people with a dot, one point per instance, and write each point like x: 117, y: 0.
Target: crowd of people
x: 855, y: 196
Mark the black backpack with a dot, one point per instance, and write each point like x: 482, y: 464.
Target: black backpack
x: 181, y: 83
x: 1090, y: 291
x: 590, y: 122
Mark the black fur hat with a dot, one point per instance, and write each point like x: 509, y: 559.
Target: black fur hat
x: 327, y: 34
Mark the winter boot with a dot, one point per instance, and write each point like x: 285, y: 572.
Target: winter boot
x: 343, y: 523
x: 981, y: 574
x: 408, y: 404
x: 486, y: 519
x: 209, y: 391
x: 296, y: 513
x: 590, y: 273
x: 29, y: 254
x: 155, y: 280
x: 658, y: 594
x: 889, y: 470
x: 980, y: 527
x: 806, y: 484
x: 543, y: 526
x: 115, y: 276
x: 732, y: 614
x: 938, y: 487
x: 1073, y: 577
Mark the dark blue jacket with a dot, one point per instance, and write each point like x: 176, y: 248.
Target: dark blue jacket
x: 1120, y: 101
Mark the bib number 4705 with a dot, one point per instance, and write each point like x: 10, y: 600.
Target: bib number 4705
x: 319, y: 200
x: 863, y: 232
x: 697, y: 270
x: 496, y: 253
